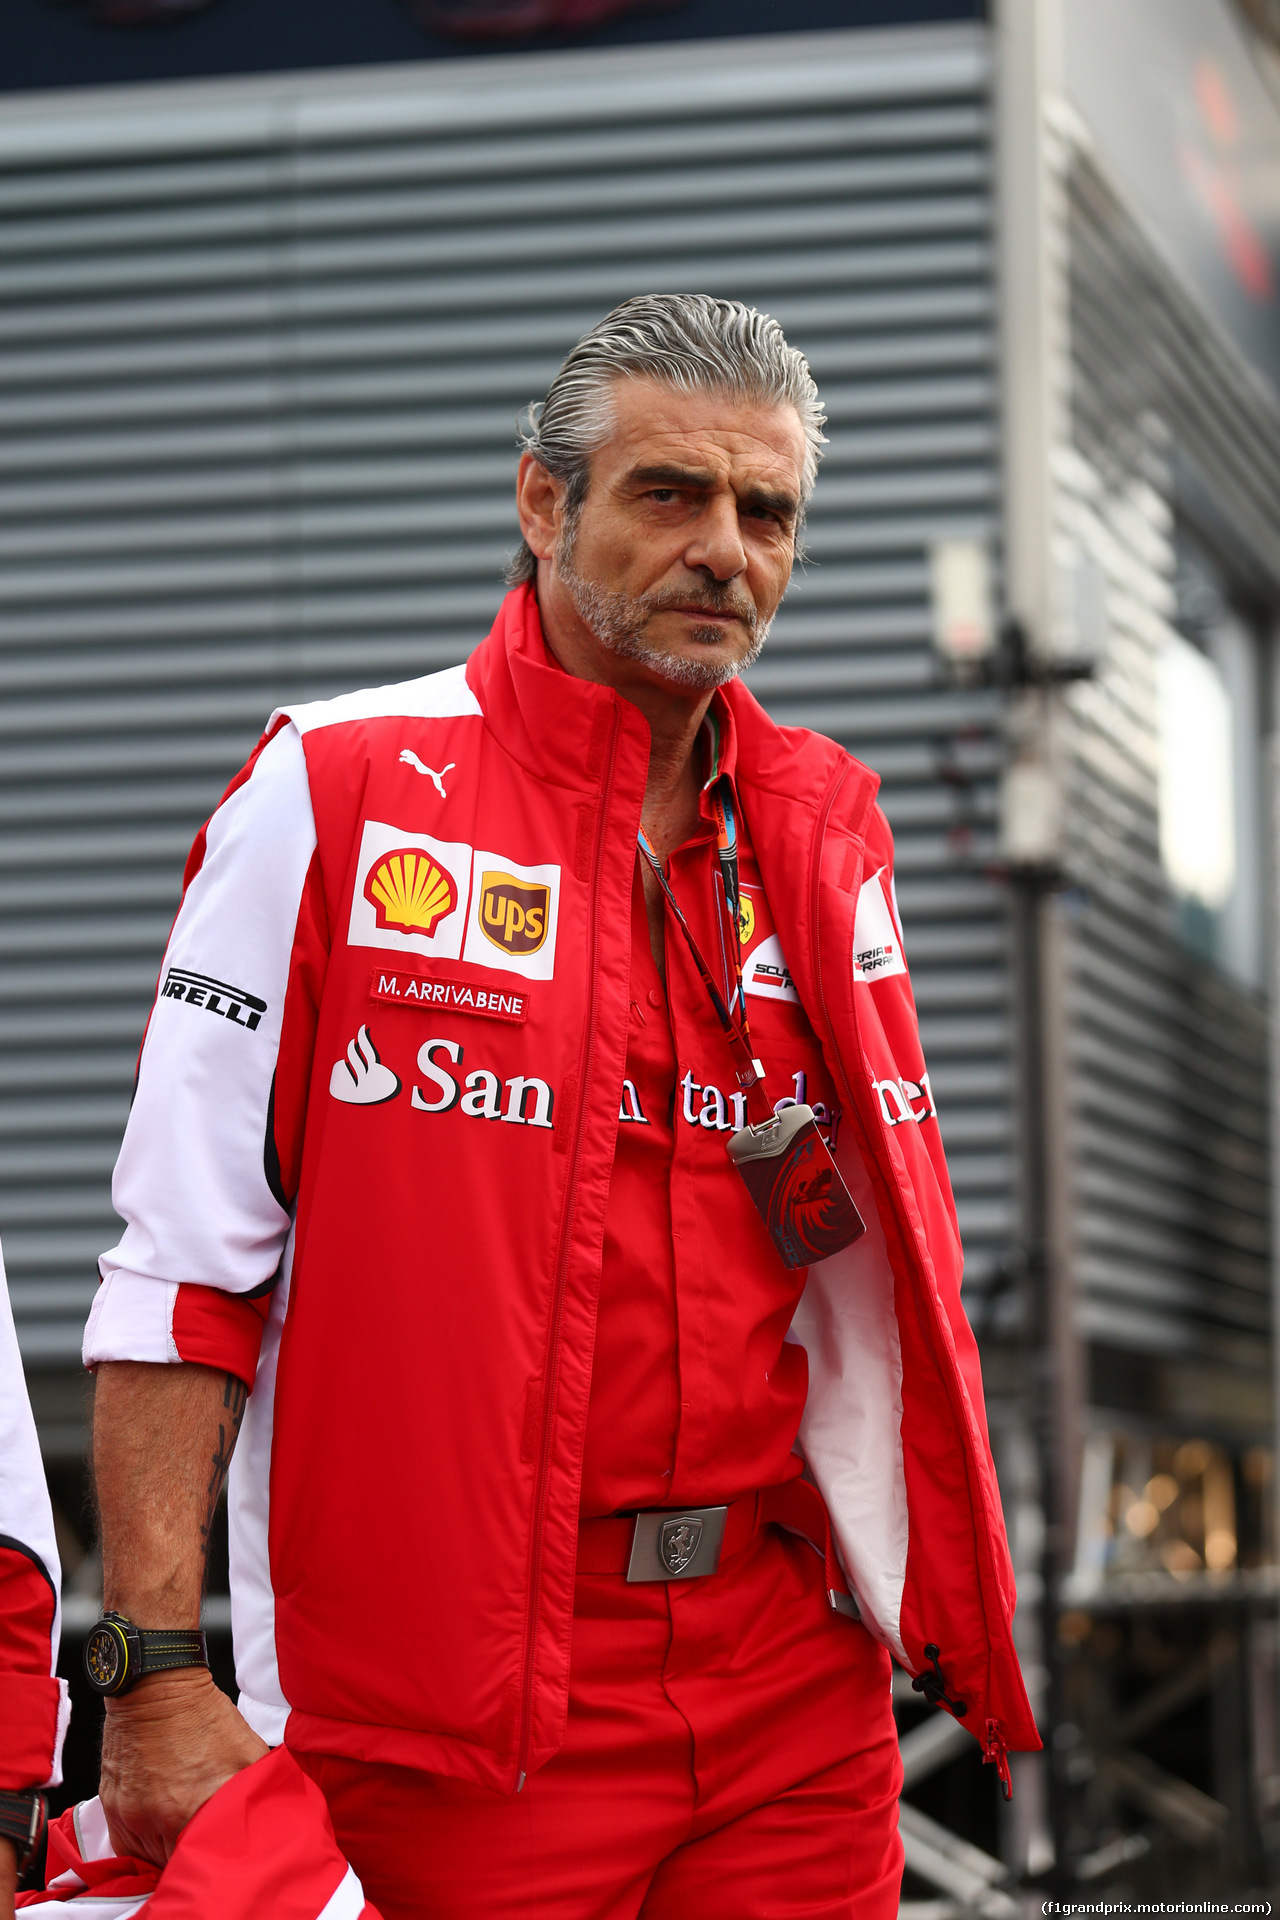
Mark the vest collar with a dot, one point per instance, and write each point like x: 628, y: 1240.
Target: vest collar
x: 557, y: 726
x: 553, y: 724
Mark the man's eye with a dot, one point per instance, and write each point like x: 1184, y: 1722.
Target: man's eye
x: 662, y: 495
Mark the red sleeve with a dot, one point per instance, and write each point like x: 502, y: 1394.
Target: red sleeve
x: 28, y: 1697
x: 222, y: 1330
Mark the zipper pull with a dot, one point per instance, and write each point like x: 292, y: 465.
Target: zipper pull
x: 934, y: 1685
x: 996, y: 1754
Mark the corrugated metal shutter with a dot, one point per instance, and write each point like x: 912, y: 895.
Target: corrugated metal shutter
x: 263, y: 351
x: 1168, y: 1057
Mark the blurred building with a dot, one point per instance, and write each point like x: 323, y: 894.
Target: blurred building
x: 273, y: 300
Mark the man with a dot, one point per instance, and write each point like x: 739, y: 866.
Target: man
x: 34, y: 1703
x: 447, y: 1051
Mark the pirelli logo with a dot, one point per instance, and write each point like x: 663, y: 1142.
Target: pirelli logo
x: 401, y: 989
x: 215, y: 996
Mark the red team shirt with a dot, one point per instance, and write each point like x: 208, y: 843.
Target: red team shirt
x: 696, y: 1394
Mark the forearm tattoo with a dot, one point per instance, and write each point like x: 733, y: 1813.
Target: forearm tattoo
x: 235, y: 1396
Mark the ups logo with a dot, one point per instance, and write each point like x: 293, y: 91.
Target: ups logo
x: 513, y: 913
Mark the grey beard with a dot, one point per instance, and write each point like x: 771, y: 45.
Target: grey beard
x: 618, y: 621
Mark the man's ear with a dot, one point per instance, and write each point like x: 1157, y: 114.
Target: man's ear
x: 539, y: 499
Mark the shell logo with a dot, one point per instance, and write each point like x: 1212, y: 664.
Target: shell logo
x: 409, y: 892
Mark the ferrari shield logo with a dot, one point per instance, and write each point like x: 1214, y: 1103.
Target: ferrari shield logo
x: 678, y: 1542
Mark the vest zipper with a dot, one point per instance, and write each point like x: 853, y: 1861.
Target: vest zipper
x: 551, y: 1368
x: 994, y: 1749
x: 996, y: 1754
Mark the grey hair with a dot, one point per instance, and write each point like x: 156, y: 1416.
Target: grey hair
x: 689, y: 341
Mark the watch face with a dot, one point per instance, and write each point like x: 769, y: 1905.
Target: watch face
x: 105, y: 1658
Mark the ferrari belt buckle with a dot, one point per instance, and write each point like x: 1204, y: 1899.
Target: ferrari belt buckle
x: 680, y: 1543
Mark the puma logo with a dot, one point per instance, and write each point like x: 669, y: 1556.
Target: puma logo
x: 410, y: 759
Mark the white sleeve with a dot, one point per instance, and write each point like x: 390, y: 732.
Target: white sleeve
x: 191, y: 1181
x: 26, y: 1517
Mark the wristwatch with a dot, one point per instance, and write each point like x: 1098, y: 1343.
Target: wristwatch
x: 22, y: 1817
x: 117, y: 1654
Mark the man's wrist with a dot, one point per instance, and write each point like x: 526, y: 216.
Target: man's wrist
x: 157, y: 1695
x: 22, y: 1822
x: 168, y: 1596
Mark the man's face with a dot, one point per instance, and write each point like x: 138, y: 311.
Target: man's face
x: 683, y: 547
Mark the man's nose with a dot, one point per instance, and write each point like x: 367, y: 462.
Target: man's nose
x: 716, y: 546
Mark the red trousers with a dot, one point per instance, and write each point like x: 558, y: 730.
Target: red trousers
x: 730, y: 1755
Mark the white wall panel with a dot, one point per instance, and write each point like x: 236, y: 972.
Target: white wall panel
x: 263, y: 352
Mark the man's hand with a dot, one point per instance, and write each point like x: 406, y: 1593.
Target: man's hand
x: 8, y: 1878
x: 166, y: 1748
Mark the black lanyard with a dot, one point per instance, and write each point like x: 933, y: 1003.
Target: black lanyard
x: 748, y: 1070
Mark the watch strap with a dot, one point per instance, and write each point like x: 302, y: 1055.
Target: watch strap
x: 163, y: 1648
x: 22, y: 1818
x: 117, y: 1655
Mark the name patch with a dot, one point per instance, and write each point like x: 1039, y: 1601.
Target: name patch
x: 401, y: 989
